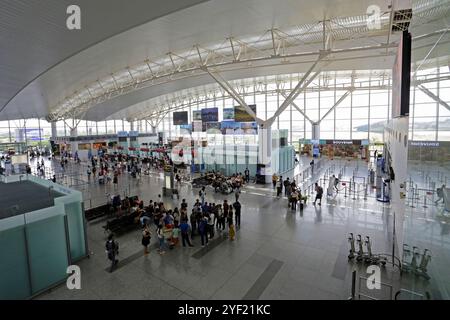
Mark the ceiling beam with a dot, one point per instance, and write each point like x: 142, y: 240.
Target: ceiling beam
x: 298, y: 108
x: 232, y: 92
x: 301, y: 85
x: 342, y: 98
x: 434, y: 97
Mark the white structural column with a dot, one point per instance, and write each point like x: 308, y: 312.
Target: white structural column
x: 73, y: 144
x: 265, y: 152
x: 54, y: 131
x: 315, y: 131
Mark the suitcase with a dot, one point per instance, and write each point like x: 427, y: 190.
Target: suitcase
x: 301, y: 205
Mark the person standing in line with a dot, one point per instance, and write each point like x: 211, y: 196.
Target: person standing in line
x: 237, y: 213
x: 146, y: 236
x: 319, y: 193
x: 112, y: 250
x: 184, y: 228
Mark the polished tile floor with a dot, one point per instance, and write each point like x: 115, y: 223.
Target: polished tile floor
x: 277, y: 254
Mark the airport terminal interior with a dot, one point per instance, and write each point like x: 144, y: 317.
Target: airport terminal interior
x: 225, y: 150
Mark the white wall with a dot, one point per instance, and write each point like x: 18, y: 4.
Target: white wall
x: 396, y: 137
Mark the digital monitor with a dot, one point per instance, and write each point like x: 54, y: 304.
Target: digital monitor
x: 401, y: 77
x: 210, y: 115
x: 197, y: 115
x: 180, y: 118
x: 228, y: 114
x: 241, y: 115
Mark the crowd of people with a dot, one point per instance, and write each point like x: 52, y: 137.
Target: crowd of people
x: 107, y: 168
x: 205, y: 220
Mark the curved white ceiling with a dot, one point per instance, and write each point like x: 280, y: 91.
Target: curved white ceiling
x: 207, y: 22
x: 34, y: 45
x: 34, y: 37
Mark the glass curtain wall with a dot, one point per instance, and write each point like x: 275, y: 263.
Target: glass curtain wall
x: 361, y: 115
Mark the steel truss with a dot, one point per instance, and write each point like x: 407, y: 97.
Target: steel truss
x: 271, y: 47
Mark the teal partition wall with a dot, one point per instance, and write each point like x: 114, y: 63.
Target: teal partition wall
x: 37, y: 247
x: 75, y: 224
x: 47, y: 247
x: 14, y: 277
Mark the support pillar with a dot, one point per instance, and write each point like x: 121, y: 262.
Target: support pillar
x: 315, y: 131
x: 54, y: 132
x: 264, y: 165
x: 73, y: 144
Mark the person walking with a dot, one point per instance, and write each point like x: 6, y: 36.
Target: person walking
x: 286, y: 185
x: 247, y: 175
x: 112, y: 250
x: 202, y: 195
x: 146, y: 236
x: 319, y: 193
x: 237, y: 213
x: 210, y: 225
x: 280, y: 186
x: 232, y: 232
x: 440, y: 194
x: 274, y: 180
x: 220, y: 218
x: 237, y: 192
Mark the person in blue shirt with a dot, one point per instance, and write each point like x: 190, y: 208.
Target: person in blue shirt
x: 184, y: 228
x: 203, y: 228
x: 205, y: 208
